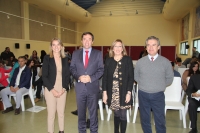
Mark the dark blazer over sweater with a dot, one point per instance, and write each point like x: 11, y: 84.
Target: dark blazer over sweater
x: 49, y: 72
x: 24, y: 78
x: 194, y: 85
x: 125, y: 85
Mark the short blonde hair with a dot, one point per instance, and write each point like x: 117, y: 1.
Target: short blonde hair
x: 112, y: 54
x: 62, y: 51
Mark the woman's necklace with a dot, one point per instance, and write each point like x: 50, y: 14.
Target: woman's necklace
x: 118, y: 58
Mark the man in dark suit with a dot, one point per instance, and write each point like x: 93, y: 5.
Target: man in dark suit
x: 193, y: 92
x: 19, y: 85
x: 86, y: 68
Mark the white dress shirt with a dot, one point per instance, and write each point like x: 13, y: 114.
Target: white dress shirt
x: 19, y: 75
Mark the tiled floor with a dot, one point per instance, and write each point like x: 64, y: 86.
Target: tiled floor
x: 28, y: 122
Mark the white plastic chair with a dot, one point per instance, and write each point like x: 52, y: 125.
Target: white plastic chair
x: 136, y: 105
x: 101, y: 109
x: 182, y: 70
x: 173, y: 98
x: 30, y: 93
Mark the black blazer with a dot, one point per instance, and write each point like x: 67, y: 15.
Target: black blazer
x: 194, y: 85
x: 127, y: 78
x: 49, y: 72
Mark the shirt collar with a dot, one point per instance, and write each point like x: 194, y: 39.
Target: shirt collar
x: 22, y: 68
x: 87, y: 50
x: 154, y: 57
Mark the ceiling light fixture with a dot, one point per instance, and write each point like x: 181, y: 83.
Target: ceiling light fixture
x: 63, y: 29
x: 8, y: 16
x: 55, y: 28
x: 136, y: 12
x: 110, y: 13
x: 41, y: 24
x: 67, y: 3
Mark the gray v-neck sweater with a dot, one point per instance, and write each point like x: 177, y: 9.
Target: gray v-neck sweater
x: 153, y: 76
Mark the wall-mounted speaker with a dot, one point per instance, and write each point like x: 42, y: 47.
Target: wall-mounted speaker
x: 187, y: 46
x: 28, y: 46
x: 17, y: 45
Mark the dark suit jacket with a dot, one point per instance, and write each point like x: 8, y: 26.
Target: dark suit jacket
x: 49, y: 72
x: 194, y: 85
x: 24, y: 78
x: 94, y: 69
x: 125, y: 85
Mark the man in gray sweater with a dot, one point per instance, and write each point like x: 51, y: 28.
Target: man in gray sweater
x: 153, y: 73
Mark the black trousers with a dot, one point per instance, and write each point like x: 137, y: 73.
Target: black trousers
x: 192, y: 109
x: 38, y: 84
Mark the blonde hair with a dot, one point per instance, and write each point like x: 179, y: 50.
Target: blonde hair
x: 112, y: 54
x: 62, y: 52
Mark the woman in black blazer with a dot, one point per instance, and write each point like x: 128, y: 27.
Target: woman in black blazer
x: 55, y: 76
x: 117, y: 85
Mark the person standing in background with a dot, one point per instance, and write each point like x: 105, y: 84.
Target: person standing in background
x: 195, y: 52
x: 117, y: 84
x: 5, y: 55
x: 153, y: 73
x: 55, y: 76
x: 86, y: 68
x: 43, y: 53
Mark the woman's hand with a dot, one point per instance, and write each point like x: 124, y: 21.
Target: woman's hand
x: 55, y: 93
x: 105, y: 97
x: 62, y: 92
x: 128, y: 97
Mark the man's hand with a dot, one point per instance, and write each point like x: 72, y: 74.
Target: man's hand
x: 61, y: 92
x: 16, y: 89
x: 12, y: 89
x: 85, y: 78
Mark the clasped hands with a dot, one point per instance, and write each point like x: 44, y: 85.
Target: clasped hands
x: 85, y: 78
x: 105, y: 97
x: 14, y: 89
x: 56, y: 93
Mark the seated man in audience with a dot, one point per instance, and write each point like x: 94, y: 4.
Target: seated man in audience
x: 193, y: 92
x: 19, y: 85
x: 176, y: 73
x: 179, y: 64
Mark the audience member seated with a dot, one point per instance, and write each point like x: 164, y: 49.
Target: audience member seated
x: 194, y: 69
x: 179, y: 64
x: 31, y: 64
x: 19, y: 85
x: 16, y: 65
x: 3, y: 77
x: 27, y: 56
x: 11, y: 61
x: 193, y: 92
x: 35, y: 57
x: 38, y: 84
x: 176, y: 73
x: 5, y: 55
x: 43, y: 53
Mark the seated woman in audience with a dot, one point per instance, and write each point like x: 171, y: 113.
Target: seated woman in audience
x: 38, y: 84
x: 31, y: 65
x: 194, y: 69
x: 35, y: 57
x: 43, y: 53
x: 3, y: 77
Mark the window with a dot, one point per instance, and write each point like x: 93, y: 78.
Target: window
x: 196, y: 43
x: 184, y: 49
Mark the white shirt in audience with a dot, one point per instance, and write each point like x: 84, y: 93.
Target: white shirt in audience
x: 19, y: 75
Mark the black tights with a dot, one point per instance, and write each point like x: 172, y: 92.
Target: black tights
x: 121, y: 113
